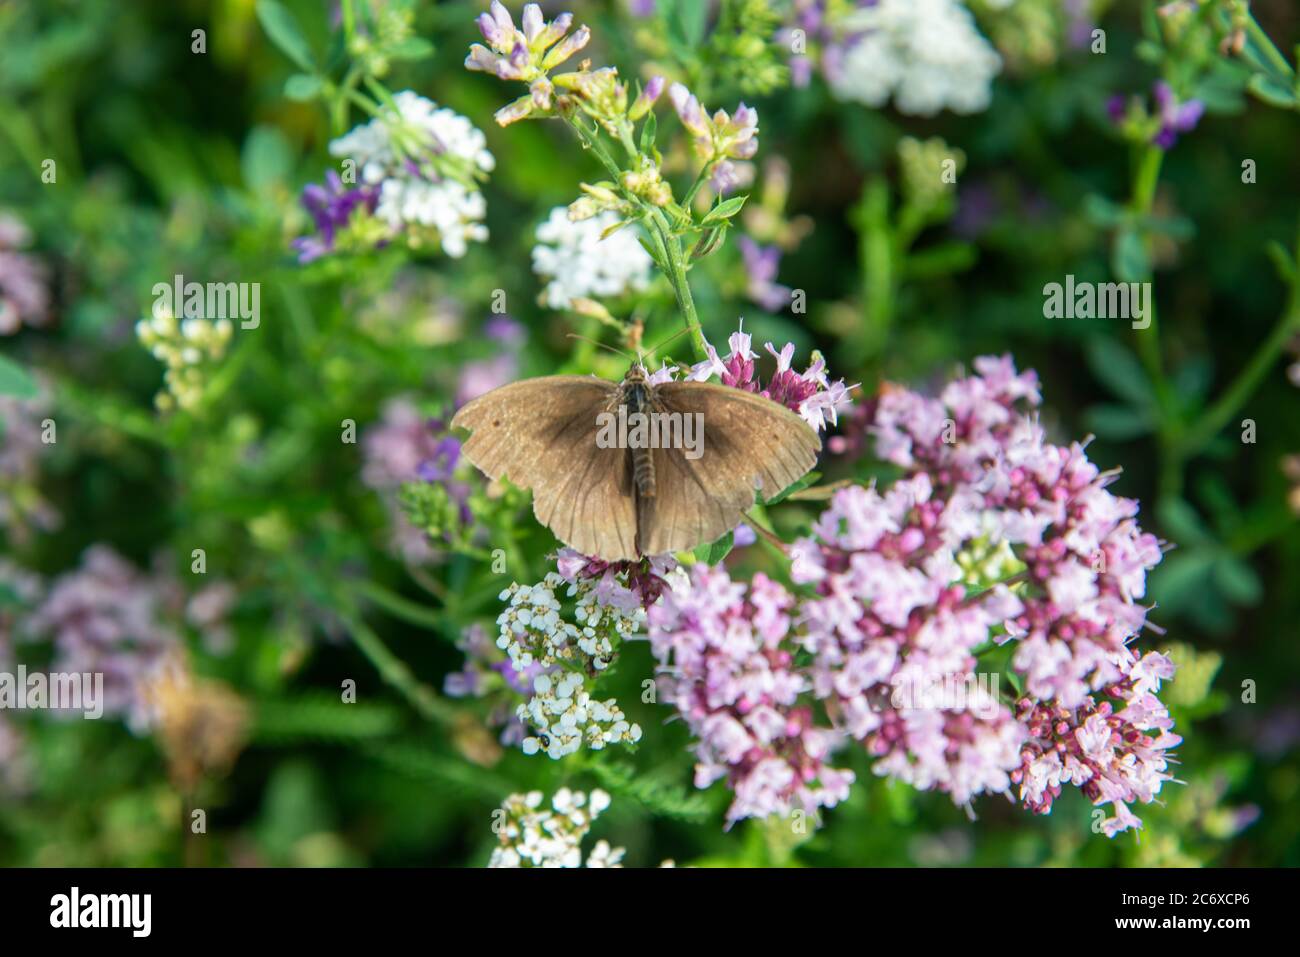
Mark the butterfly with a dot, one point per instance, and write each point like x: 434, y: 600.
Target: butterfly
x: 622, y: 501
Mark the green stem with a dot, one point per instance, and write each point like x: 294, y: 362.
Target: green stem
x: 676, y: 262
x: 395, y: 673
x: 344, y: 96
x: 1267, y: 47
x: 403, y: 608
x: 1146, y: 179
x: 1248, y: 380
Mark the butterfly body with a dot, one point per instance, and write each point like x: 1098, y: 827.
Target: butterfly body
x: 623, y: 501
x: 636, y: 396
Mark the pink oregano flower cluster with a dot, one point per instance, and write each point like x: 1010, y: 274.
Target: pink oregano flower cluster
x: 810, y: 393
x: 992, y: 535
x: 732, y: 677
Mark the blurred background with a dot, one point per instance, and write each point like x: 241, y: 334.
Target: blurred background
x: 309, y: 573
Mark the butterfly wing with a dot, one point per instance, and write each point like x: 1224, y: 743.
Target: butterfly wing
x: 540, y: 434
x: 750, y: 442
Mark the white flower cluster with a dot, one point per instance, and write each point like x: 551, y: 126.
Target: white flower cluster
x: 187, y: 348
x: 927, y: 53
x: 561, y: 712
x: 423, y: 161
x: 581, y: 265
x: 563, y: 716
x: 532, y: 836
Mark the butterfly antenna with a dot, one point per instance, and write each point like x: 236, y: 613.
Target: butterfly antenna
x: 676, y: 335
x: 601, y: 345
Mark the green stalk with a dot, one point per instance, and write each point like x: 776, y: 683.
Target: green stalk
x: 676, y: 262
x: 1248, y: 380
x: 395, y: 673
x: 1148, y: 341
x: 411, y: 612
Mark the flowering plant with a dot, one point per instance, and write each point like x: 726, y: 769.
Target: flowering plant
x: 1029, y: 607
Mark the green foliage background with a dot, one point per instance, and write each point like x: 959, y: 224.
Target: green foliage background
x: 171, y: 162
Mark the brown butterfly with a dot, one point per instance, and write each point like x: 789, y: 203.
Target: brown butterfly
x: 619, y: 502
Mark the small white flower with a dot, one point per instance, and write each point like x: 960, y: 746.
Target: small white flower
x: 431, y: 139
x: 581, y: 265
x: 927, y: 54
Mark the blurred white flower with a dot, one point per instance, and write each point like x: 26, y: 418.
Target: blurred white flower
x: 927, y: 54
x: 579, y: 264
x: 423, y: 159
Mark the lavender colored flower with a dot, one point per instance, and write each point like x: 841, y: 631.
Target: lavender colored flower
x: 647, y: 98
x: 488, y: 674
x: 107, y: 616
x: 992, y: 533
x: 761, y: 266
x: 1175, y: 116
x: 727, y: 665
x: 331, y: 207
x: 24, y: 280
x: 810, y: 393
x: 406, y: 446
x: 718, y: 137
x: 524, y: 54
x: 22, y: 508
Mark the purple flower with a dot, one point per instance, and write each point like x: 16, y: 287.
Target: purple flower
x: 909, y: 586
x: 106, y: 616
x: 482, y: 376
x: 642, y: 104
x: 718, y: 137
x: 1175, y: 116
x: 528, y: 53
x: 406, y: 446
x: 487, y: 673
x: 1116, y: 107
x: 727, y: 664
x: 332, y: 207
x: 810, y: 393
x: 24, y: 280
x: 761, y: 266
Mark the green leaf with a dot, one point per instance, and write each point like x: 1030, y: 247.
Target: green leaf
x: 1181, y: 521
x: 1118, y: 422
x: 283, y: 30
x: 802, y: 483
x: 1273, y: 91
x: 323, y: 717
x: 713, y: 553
x: 302, y: 87
x: 412, y: 48
x: 709, y: 243
x: 420, y: 762
x: 723, y: 211
x: 657, y: 796
x: 16, y: 381
x: 1238, y: 581
x: 687, y: 20
x: 1129, y: 260
x: 1181, y: 579
x: 648, y: 132
x: 1102, y: 212
x: 1119, y: 370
